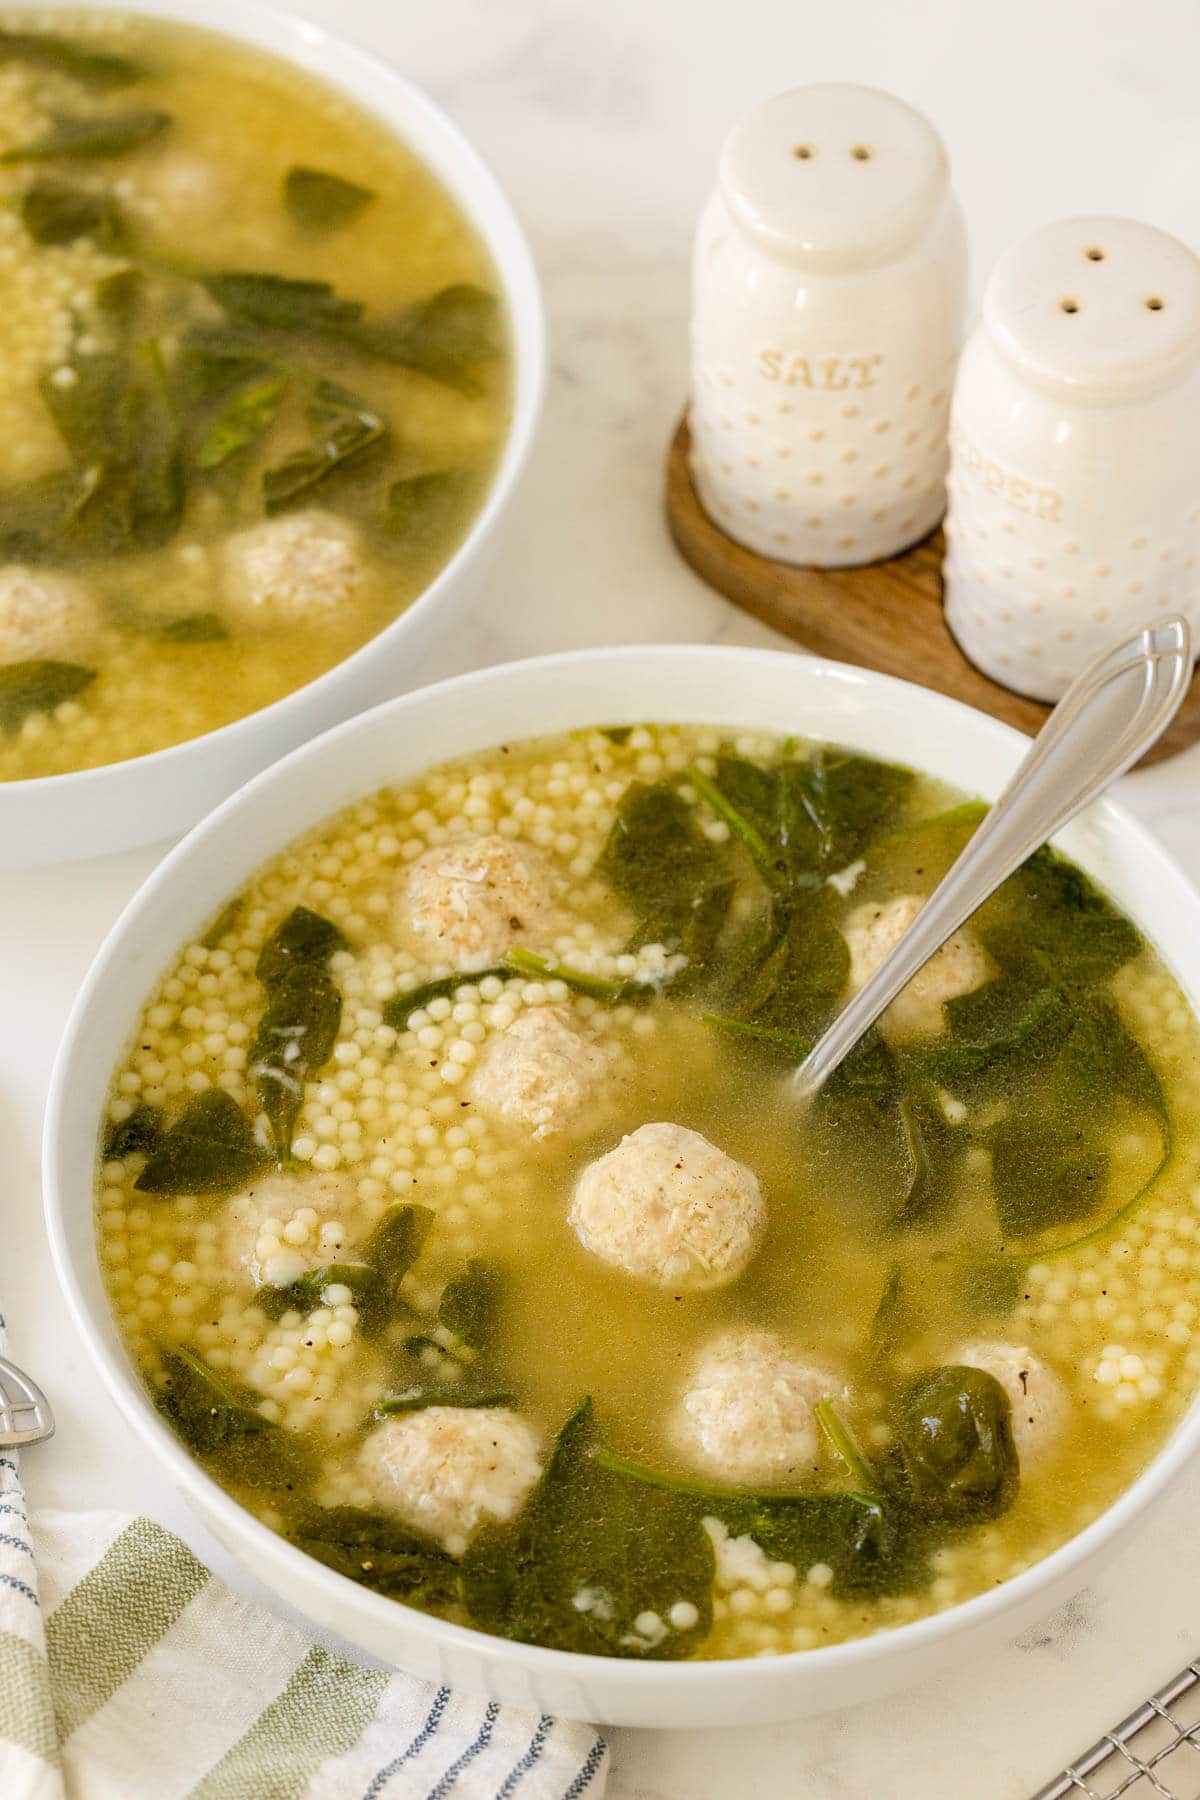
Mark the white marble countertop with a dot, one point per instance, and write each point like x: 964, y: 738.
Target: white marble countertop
x: 604, y: 122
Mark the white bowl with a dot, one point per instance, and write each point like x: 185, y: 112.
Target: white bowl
x: 393, y: 744
x: 148, y: 798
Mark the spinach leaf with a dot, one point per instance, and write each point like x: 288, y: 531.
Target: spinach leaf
x: 873, y: 1542
x: 139, y: 1134
x: 117, y: 419
x: 53, y: 213
x: 303, y: 938
x: 999, y: 1034
x: 419, y: 1399
x: 470, y: 1303
x: 421, y: 509
x: 1066, y: 923
x: 374, y: 1280
x: 64, y: 56
x: 930, y: 1151
x: 742, y: 824
x: 194, y: 628
x: 617, y: 734
x: 1101, y: 1059
x: 375, y: 1550
x: 848, y: 801
x: 307, y: 1293
x: 218, y: 1420
x: 318, y: 201
x: 277, y: 303
x: 1044, y: 1173
x: 31, y: 517
x: 397, y: 1241
x: 446, y: 336
x: 184, y: 628
x: 102, y: 134
x: 790, y: 969
x: 873, y: 1546
x: 612, y: 993
x: 210, y: 1149
x: 346, y: 429
x: 38, y: 686
x: 118, y: 296
x: 400, y: 1008
x: 794, y: 1047
x: 877, y: 1118
x: 590, y: 1551
x: 658, y: 861
x: 206, y: 1408
x: 699, y: 933
x: 295, y: 1037
x: 212, y: 360
x: 224, y: 923
x: 890, y: 1322
x: 953, y: 1426
x: 243, y: 418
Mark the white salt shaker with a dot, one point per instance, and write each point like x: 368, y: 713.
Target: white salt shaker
x: 827, y: 311
x: 1075, y: 452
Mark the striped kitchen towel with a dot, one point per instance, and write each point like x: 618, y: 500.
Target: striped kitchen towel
x: 129, y: 1672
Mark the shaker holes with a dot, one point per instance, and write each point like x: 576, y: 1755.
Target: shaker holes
x: 804, y: 152
x: 1069, y: 306
x: 1155, y: 304
x: 862, y: 153
x: 1094, y: 254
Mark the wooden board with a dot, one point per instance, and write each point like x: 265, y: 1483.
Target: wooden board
x: 885, y: 616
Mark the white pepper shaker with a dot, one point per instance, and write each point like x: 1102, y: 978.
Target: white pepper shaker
x: 1075, y: 452
x: 827, y: 309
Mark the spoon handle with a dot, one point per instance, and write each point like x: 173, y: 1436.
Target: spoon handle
x: 1108, y: 717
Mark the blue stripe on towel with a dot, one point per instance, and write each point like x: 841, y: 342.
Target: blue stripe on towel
x: 469, y: 1754
x: 21, y: 1587
x: 583, y: 1780
x: 16, y: 1543
x: 427, y: 1731
x: 537, y: 1744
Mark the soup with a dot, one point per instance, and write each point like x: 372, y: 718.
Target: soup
x: 253, y: 387
x: 457, y: 1211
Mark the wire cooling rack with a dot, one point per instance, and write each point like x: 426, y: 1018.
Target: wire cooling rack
x: 1154, y: 1754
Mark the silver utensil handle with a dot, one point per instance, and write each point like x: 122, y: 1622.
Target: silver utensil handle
x: 25, y: 1416
x: 1109, y: 716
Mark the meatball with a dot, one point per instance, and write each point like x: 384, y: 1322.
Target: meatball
x: 747, y: 1415
x: 44, y: 615
x: 873, y: 930
x: 300, y: 569
x: 471, y: 900
x: 1038, y: 1398
x: 668, y: 1206
x: 539, y: 1072
x: 448, y: 1469
x: 284, y: 1225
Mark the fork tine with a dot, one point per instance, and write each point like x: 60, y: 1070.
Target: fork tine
x: 25, y: 1415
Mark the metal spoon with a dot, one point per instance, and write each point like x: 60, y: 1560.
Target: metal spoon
x: 1107, y: 718
x: 25, y: 1416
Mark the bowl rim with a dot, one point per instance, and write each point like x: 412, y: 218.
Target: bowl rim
x: 235, y: 1522
x: 519, y: 285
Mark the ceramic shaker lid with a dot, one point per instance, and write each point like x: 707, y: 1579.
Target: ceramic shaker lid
x: 834, y: 176
x: 1101, y: 308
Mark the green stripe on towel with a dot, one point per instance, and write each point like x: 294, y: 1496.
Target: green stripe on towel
x: 115, y: 1617
x: 323, y: 1710
x: 26, y: 1713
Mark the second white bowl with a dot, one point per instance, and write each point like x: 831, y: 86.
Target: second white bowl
x: 142, y: 801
